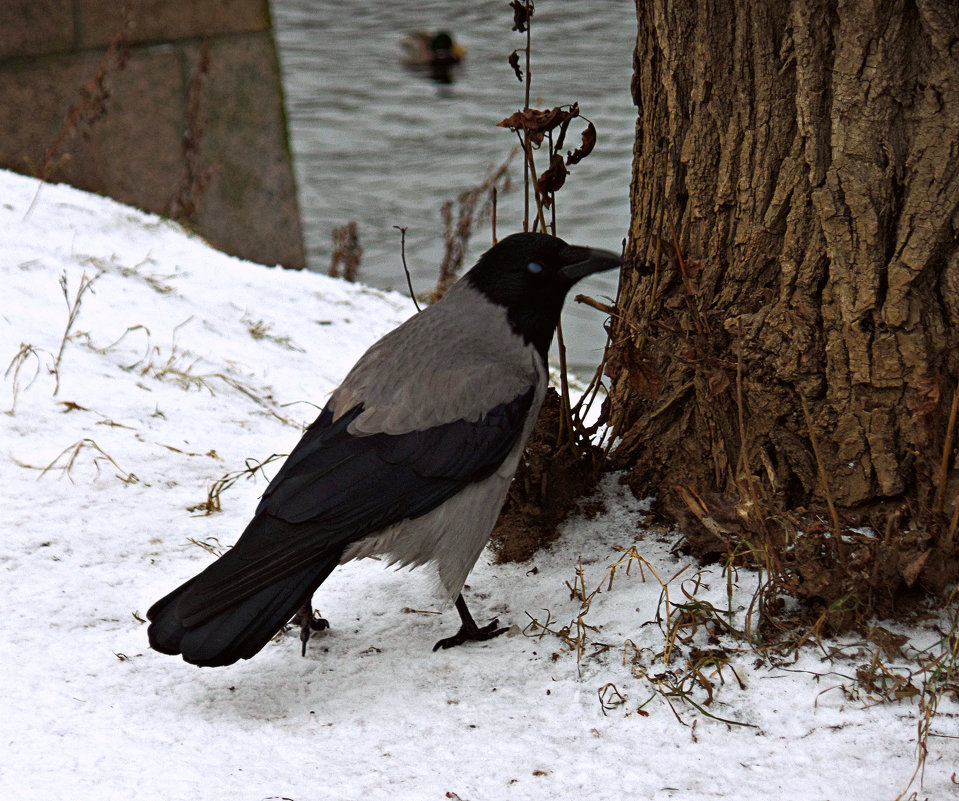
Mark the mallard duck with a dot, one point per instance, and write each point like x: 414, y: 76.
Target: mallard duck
x: 425, y: 49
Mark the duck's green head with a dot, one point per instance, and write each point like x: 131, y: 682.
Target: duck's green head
x: 442, y: 42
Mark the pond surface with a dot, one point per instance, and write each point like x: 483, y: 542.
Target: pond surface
x: 383, y: 145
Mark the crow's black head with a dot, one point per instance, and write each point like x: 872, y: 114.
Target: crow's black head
x: 530, y: 275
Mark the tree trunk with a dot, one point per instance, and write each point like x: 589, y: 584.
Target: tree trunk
x: 805, y: 156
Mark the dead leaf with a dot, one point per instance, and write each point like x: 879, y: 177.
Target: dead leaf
x: 562, y: 129
x: 539, y: 122
x: 522, y: 13
x: 718, y: 383
x: 890, y: 642
x: 553, y: 179
x: 514, y: 63
x: 643, y: 377
x: 589, y: 142
x: 912, y: 570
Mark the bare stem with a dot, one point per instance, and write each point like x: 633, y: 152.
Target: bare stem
x: 526, y: 142
x: 692, y: 299
x: 529, y: 27
x: 824, y: 480
x: 566, y: 417
x: 529, y: 168
x: 950, y: 538
x: 946, y: 453
x: 409, y: 280
x: 743, y: 443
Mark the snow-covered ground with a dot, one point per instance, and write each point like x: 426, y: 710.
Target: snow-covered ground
x: 182, y: 364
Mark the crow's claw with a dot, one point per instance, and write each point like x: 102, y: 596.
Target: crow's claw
x: 474, y: 634
x: 469, y: 631
x: 308, y: 623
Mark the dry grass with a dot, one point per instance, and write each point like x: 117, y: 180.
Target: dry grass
x: 261, y: 330
x: 473, y: 207
x: 701, y: 644
x: 932, y: 675
x: 185, y: 369
x: 678, y: 680
x: 211, y: 545
x: 25, y: 354
x: 180, y: 365
x: 158, y: 283
x: 69, y: 457
x: 347, y: 251
x: 212, y: 504
x: 73, y: 312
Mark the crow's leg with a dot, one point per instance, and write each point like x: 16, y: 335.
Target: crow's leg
x: 308, y: 624
x: 469, y: 631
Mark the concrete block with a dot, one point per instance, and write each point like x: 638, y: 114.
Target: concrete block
x: 146, y: 125
x: 169, y: 20
x: 251, y: 201
x: 130, y: 150
x: 29, y: 27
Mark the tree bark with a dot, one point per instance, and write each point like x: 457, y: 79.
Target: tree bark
x: 806, y: 155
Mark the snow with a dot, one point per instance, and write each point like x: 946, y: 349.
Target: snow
x: 163, y: 389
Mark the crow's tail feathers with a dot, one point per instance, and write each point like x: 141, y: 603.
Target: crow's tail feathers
x: 238, y: 631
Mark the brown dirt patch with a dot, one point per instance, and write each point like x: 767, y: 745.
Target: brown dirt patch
x: 841, y: 583
x: 550, y: 484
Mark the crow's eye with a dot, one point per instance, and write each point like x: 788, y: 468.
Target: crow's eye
x: 534, y: 267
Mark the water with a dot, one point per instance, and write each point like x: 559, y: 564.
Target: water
x: 380, y: 144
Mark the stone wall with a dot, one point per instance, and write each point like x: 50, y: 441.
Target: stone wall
x: 173, y: 106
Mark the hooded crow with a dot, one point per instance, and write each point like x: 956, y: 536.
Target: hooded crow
x: 411, y: 458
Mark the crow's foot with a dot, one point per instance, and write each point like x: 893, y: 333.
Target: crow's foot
x: 308, y: 623
x: 469, y: 631
x: 466, y: 634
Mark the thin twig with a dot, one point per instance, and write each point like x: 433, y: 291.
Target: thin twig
x: 743, y: 442
x: 950, y: 538
x: 540, y: 218
x: 566, y: 418
x: 585, y: 403
x: 525, y: 137
x: 605, y: 308
x: 409, y: 280
x: 692, y: 299
x: 946, y: 453
x: 824, y: 480
x: 552, y: 195
x: 529, y: 26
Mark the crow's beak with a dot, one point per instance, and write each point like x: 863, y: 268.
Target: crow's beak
x: 578, y: 262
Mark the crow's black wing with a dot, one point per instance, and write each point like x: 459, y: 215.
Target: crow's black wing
x: 337, y: 479
x: 336, y: 488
